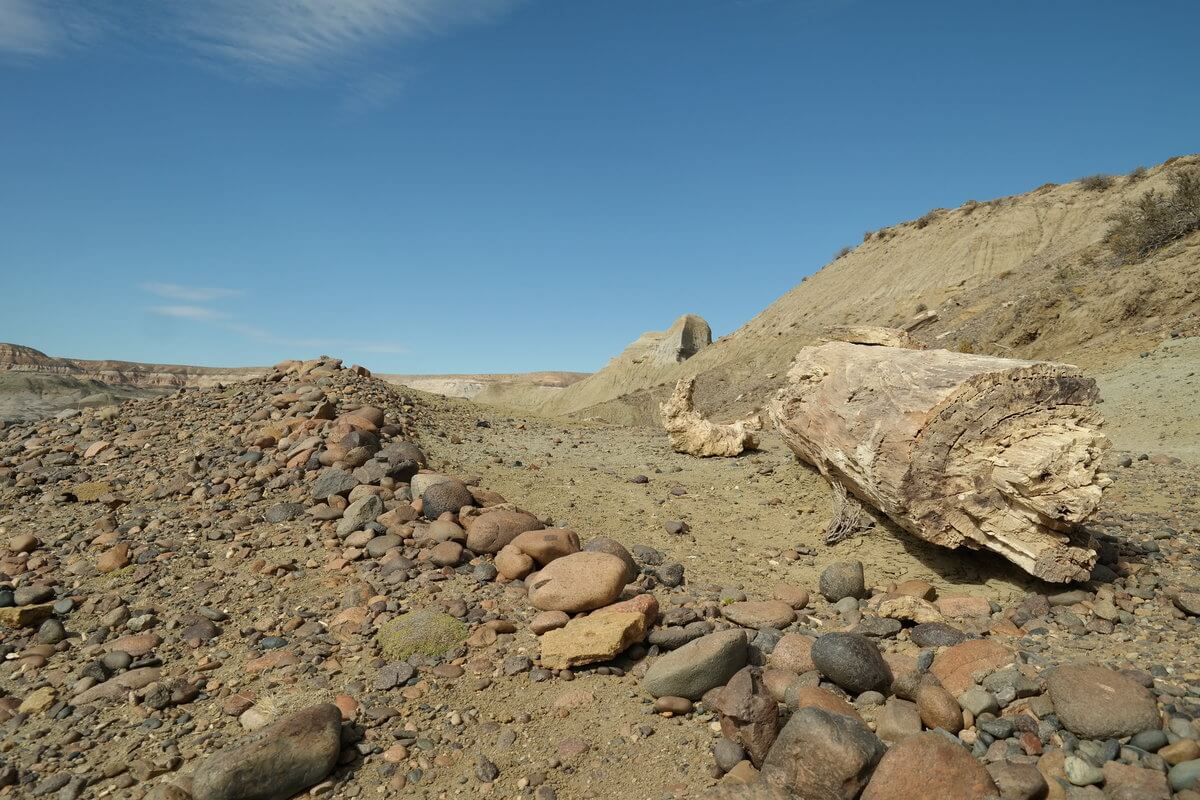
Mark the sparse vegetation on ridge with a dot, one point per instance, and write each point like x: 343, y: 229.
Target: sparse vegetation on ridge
x: 1096, y: 183
x: 1155, y: 219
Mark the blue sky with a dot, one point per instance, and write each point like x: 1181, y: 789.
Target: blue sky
x: 451, y: 186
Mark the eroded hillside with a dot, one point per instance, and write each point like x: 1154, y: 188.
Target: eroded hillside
x: 1026, y: 275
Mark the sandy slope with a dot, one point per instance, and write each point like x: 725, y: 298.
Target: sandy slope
x: 1023, y: 275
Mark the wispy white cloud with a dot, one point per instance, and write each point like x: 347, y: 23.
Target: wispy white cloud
x: 191, y: 294
x: 38, y: 28
x: 224, y: 321
x: 189, y: 312
x: 304, y: 33
x: 277, y: 39
x: 27, y: 28
x: 374, y: 90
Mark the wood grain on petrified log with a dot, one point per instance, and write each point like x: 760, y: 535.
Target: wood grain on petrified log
x: 958, y: 449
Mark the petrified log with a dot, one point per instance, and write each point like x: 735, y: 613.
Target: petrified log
x: 693, y: 434
x: 957, y: 449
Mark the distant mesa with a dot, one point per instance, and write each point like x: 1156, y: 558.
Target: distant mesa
x: 471, y: 386
x: 34, y: 385
x: 20, y: 358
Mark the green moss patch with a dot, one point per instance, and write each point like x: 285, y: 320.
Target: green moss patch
x: 429, y: 633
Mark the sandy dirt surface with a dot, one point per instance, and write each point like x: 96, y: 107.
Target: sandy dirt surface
x: 1152, y: 404
x: 200, y: 537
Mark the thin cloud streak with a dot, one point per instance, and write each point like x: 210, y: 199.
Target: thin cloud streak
x: 189, y: 312
x: 299, y: 33
x: 223, y: 321
x: 359, y: 346
x: 280, y: 40
x: 191, y: 294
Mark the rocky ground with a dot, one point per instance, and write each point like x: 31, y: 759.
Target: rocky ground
x: 251, y: 591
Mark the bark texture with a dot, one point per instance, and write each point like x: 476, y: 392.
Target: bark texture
x: 958, y: 449
x: 693, y: 434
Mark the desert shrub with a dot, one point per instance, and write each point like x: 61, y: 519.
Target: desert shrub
x: 924, y: 220
x: 966, y: 346
x: 969, y: 207
x: 1045, y: 187
x: 1096, y: 183
x: 843, y: 252
x: 1155, y: 219
x: 867, y: 235
x: 1137, y: 174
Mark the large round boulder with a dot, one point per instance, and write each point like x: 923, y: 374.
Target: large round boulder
x: 852, y: 661
x: 606, y: 544
x: 578, y: 582
x: 449, y: 495
x: 489, y: 532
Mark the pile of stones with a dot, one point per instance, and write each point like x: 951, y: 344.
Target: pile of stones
x: 254, y: 590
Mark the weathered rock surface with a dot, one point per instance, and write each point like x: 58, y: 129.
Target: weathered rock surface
x: 749, y: 716
x: 822, y: 756
x: 587, y: 640
x: 1098, y: 703
x: 698, y: 666
x: 578, y: 582
x: 276, y: 762
x: 691, y: 433
x: 929, y: 765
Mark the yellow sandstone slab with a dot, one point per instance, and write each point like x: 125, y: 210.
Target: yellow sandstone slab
x: 596, y: 637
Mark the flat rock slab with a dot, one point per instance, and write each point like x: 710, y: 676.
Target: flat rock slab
x: 698, y: 666
x: 276, y: 762
x: 117, y: 687
x: 760, y: 614
x: 1098, y: 703
x: 959, y: 666
x: 25, y: 616
x: 590, y: 639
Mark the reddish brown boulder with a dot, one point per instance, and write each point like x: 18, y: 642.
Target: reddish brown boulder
x: 822, y: 756
x: 793, y: 652
x: 958, y: 667
x: 749, y: 716
x: 929, y: 765
x: 491, y: 531
x: 578, y: 582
